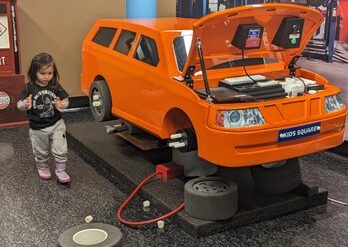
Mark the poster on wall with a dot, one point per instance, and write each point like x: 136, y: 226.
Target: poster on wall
x: 4, y: 33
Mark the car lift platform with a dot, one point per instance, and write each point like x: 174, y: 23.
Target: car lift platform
x: 126, y: 166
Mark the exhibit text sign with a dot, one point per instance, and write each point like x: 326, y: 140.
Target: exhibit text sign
x: 11, y: 79
x: 4, y: 36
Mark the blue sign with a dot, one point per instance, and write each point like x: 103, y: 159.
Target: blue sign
x: 298, y: 132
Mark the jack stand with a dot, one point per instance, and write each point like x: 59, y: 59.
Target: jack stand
x: 138, y: 138
x: 193, y: 165
x: 120, y: 125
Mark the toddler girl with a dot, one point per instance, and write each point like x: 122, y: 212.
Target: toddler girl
x: 44, y: 98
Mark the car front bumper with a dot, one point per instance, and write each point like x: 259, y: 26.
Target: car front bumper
x: 252, y: 147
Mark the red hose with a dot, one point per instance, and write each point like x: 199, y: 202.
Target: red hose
x: 135, y: 223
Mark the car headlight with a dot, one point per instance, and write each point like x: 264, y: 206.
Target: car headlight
x: 333, y: 103
x: 239, y: 118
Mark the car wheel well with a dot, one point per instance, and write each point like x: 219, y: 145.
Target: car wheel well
x: 175, y: 120
x: 99, y: 78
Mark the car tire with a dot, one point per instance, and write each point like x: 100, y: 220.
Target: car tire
x: 99, y: 92
x: 277, y: 179
x: 211, y: 198
x: 93, y: 234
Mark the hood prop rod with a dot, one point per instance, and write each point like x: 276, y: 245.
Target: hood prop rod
x: 204, y: 72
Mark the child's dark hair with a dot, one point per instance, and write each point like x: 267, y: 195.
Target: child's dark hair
x: 40, y: 61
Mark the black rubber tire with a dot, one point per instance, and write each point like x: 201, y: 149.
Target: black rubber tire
x: 113, y: 239
x: 277, y: 180
x: 211, y: 198
x: 103, y: 112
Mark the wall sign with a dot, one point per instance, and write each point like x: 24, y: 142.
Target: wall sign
x: 4, y: 36
x: 11, y: 78
x: 4, y: 100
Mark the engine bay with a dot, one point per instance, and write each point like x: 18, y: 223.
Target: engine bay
x: 259, y: 88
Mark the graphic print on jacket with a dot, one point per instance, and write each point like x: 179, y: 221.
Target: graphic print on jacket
x: 43, y: 112
x: 43, y: 103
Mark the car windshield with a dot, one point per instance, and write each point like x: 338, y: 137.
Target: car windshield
x: 182, y: 46
x: 243, y: 62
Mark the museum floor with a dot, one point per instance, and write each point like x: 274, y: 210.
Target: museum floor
x: 34, y: 213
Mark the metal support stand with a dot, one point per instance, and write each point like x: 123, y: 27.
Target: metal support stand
x: 324, y: 48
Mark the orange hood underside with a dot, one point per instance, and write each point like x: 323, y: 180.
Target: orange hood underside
x: 217, y: 30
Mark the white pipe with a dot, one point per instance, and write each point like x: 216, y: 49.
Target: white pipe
x: 96, y: 103
x: 176, y: 136
x: 179, y: 144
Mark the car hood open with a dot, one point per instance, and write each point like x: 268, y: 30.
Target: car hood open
x: 216, y: 32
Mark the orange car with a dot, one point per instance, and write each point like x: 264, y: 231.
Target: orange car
x: 225, y: 85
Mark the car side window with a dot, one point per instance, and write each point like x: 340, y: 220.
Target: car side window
x: 147, y: 51
x: 104, y: 36
x: 125, y: 42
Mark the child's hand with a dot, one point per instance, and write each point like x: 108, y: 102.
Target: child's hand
x: 60, y: 104
x: 28, y: 102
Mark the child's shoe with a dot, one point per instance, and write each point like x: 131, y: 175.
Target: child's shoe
x: 62, y: 176
x: 44, y: 171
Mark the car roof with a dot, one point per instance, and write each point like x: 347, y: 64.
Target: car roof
x: 156, y: 24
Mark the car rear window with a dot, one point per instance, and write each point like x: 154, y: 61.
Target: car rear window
x: 147, y: 51
x: 104, y: 36
x: 125, y: 42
